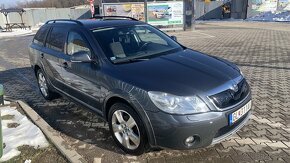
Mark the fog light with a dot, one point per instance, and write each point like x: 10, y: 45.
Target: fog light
x: 189, y: 141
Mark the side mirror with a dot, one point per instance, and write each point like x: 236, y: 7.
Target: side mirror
x: 81, y: 56
x: 174, y: 38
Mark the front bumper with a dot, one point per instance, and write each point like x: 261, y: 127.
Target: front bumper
x: 207, y: 128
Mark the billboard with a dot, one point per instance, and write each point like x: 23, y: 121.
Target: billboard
x: 165, y: 13
x: 135, y: 10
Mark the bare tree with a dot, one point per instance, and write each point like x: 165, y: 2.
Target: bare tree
x: 2, y: 6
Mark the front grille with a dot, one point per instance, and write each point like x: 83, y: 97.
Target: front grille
x: 229, y: 127
x: 229, y: 97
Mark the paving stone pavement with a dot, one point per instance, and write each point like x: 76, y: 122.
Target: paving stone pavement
x: 261, y: 50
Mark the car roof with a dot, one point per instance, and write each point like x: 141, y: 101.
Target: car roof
x: 97, y: 23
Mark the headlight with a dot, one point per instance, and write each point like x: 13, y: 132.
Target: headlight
x: 240, y: 71
x: 177, y: 104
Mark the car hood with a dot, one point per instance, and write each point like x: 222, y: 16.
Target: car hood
x: 183, y: 73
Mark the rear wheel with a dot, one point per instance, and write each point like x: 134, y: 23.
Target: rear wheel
x: 127, y: 129
x: 44, y: 87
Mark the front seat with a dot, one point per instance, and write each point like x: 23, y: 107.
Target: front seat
x: 117, y: 49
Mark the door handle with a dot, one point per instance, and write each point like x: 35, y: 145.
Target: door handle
x: 42, y: 55
x: 65, y: 65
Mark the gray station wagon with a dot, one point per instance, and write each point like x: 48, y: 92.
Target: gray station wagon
x: 153, y: 91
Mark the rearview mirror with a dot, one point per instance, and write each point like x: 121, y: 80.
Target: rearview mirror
x: 174, y: 38
x: 81, y: 56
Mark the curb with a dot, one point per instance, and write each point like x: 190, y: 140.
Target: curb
x: 52, y: 135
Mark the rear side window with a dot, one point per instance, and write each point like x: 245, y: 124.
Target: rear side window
x: 40, y: 36
x: 56, y: 39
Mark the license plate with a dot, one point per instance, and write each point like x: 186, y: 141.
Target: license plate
x: 235, y: 116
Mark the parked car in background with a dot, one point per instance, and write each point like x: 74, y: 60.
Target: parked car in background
x: 153, y: 91
x: 158, y: 14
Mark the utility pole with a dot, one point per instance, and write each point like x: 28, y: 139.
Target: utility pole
x: 145, y: 11
x: 193, y: 14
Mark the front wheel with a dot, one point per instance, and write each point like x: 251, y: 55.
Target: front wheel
x: 127, y: 129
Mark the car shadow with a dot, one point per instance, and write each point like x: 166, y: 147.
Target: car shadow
x: 72, y: 120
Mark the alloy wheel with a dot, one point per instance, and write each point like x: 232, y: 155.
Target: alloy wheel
x: 126, y: 129
x: 42, y: 84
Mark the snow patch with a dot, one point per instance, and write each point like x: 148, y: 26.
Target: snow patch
x: 15, y: 32
x: 6, y: 102
x: 287, y: 7
x: 268, y: 6
x: 272, y: 16
x: 24, y: 134
x: 27, y: 161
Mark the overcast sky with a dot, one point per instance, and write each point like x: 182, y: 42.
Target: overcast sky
x: 10, y: 3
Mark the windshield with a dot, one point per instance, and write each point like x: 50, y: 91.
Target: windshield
x: 134, y: 42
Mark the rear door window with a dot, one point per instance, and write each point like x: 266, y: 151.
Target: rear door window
x: 40, y: 36
x: 56, y: 39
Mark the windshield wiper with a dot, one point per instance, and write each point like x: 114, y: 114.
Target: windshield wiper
x: 130, y: 60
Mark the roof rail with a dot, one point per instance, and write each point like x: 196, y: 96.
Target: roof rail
x: 64, y: 20
x: 114, y: 17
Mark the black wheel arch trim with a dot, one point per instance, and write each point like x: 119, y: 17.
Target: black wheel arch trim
x: 40, y: 65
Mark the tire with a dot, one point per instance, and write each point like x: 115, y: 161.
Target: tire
x: 44, y: 87
x: 128, y: 129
